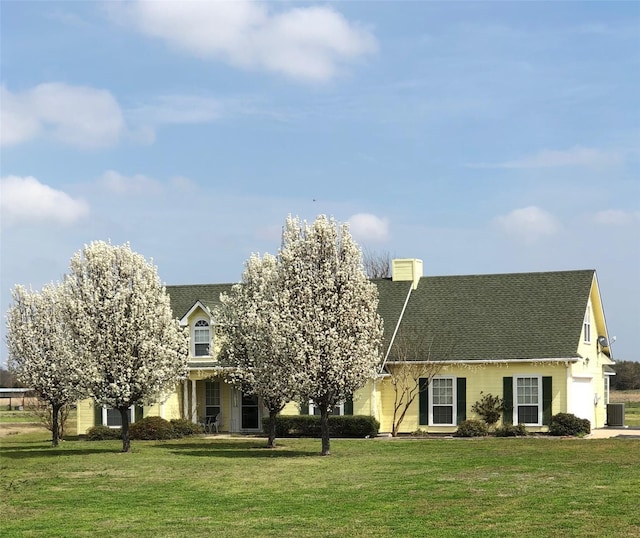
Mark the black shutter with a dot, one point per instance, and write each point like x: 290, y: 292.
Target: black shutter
x: 461, y: 399
x: 507, y: 396
x: 348, y: 406
x: 97, y: 414
x: 138, y: 413
x: 423, y: 401
x: 304, y: 408
x: 547, y: 398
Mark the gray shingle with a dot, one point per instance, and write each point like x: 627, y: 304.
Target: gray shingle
x: 470, y: 317
x: 501, y: 316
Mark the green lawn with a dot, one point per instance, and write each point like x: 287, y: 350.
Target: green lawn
x: 16, y: 417
x: 632, y: 414
x: 235, y: 487
x: 631, y: 400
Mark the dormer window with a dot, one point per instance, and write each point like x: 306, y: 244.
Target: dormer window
x: 201, y: 338
x: 586, y: 329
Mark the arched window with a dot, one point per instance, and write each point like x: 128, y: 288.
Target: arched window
x: 201, y: 338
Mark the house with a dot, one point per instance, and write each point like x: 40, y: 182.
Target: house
x: 537, y: 340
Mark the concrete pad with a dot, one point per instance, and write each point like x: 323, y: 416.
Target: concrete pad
x: 607, y: 433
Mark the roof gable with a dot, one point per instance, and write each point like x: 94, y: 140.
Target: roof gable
x: 185, y: 298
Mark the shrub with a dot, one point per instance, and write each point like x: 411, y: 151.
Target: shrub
x: 569, y: 424
x: 489, y: 408
x: 151, y: 428
x: 472, y: 428
x: 511, y: 430
x: 185, y: 428
x: 102, y: 433
x: 354, y: 426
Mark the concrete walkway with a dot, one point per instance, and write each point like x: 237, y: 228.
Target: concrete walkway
x: 606, y: 433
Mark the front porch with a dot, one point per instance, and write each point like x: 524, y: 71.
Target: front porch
x: 208, y: 399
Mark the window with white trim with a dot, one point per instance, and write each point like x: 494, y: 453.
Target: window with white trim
x: 586, y: 328
x: 201, y: 338
x: 528, y: 400
x: 442, y: 401
x: 212, y: 399
x: 113, y: 419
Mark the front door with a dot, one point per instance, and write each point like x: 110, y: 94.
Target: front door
x: 250, y: 412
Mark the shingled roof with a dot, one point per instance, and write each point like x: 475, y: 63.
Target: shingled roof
x: 472, y: 317
x: 499, y: 316
x: 184, y: 297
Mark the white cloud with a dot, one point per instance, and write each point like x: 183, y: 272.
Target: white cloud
x: 26, y: 199
x: 617, y: 217
x: 575, y: 156
x: 528, y: 223
x: 182, y: 183
x: 136, y: 184
x: 368, y: 227
x: 75, y: 115
x: 139, y: 184
x: 305, y: 43
x: 178, y: 109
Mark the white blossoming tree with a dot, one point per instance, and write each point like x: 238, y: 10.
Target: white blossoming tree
x: 133, y: 349
x: 330, y: 314
x: 255, y: 340
x: 41, y: 353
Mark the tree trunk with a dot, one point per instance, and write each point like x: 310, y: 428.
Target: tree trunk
x: 324, y: 424
x: 126, y: 442
x: 55, y: 430
x: 271, y: 443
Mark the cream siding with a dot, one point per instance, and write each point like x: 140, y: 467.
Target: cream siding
x: 485, y: 379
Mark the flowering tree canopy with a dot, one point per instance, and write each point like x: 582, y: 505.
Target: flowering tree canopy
x: 329, y: 312
x: 255, y: 338
x: 40, y: 348
x: 119, y: 313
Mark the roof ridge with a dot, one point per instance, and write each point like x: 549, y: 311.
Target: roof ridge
x: 518, y: 273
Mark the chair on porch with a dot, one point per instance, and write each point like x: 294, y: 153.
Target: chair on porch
x: 212, y: 423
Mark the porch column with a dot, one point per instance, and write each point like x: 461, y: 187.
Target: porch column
x: 194, y: 403
x: 185, y: 399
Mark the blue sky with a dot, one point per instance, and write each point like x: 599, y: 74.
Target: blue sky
x: 481, y: 137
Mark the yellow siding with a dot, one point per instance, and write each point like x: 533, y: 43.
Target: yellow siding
x: 593, y: 358
x: 85, y: 416
x: 291, y: 409
x: 480, y: 378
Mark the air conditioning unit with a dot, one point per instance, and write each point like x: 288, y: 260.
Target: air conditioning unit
x: 615, y: 414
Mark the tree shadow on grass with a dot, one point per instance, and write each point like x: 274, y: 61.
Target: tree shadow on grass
x: 235, y: 450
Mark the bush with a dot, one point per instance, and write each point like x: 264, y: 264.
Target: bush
x: 151, y: 428
x: 489, y: 408
x: 102, y: 433
x: 511, y: 430
x: 185, y: 428
x: 569, y: 424
x: 472, y: 428
x: 354, y: 426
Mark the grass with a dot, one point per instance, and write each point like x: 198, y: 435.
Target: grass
x: 631, y: 399
x: 236, y: 488
x: 10, y: 417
